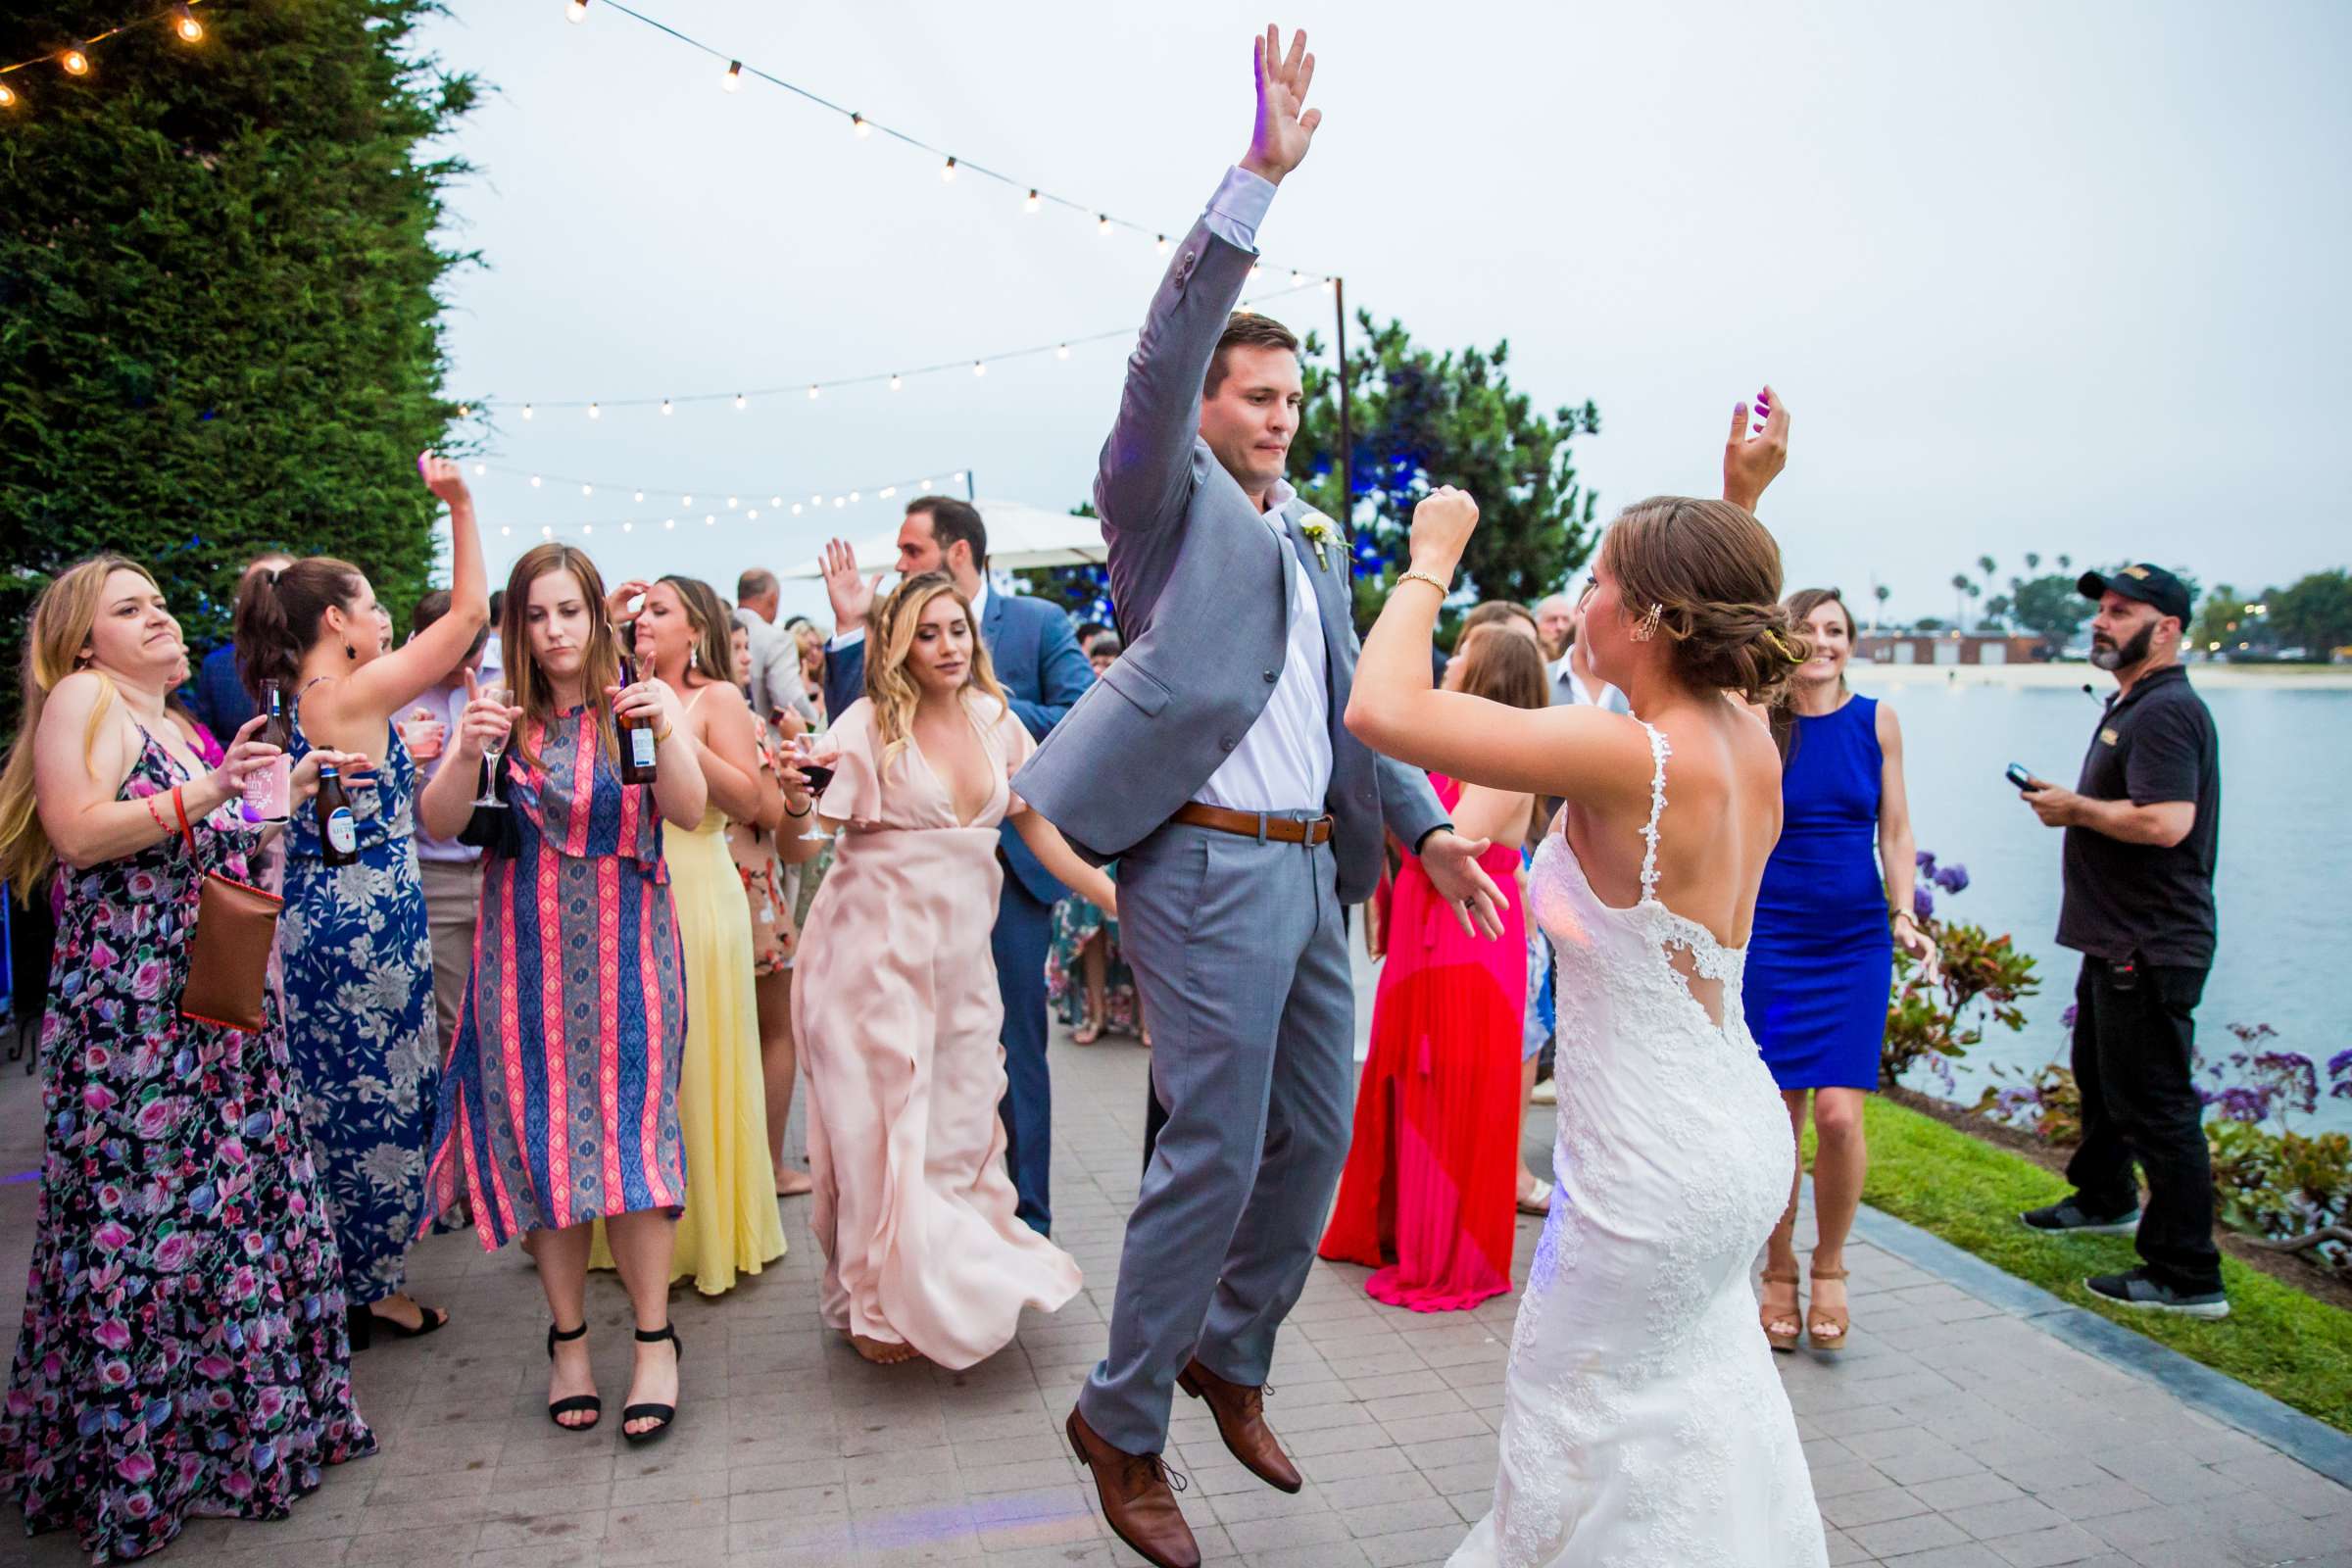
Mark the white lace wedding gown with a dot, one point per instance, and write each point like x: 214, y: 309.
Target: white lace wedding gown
x: 1643, y: 1425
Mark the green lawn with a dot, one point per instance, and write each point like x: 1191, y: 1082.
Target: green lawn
x: 2276, y: 1339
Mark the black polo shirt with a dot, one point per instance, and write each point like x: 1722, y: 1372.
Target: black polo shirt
x: 2153, y: 744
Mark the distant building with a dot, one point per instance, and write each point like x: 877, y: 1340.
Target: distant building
x: 1949, y: 648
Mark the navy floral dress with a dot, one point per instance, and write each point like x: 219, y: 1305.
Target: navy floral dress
x: 359, y: 961
x: 183, y: 1353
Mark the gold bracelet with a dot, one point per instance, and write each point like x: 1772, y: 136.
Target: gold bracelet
x: 1416, y: 575
x: 661, y: 735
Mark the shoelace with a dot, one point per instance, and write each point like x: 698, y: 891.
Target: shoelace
x: 1158, y: 1466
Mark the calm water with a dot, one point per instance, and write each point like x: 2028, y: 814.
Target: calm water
x: 2286, y: 953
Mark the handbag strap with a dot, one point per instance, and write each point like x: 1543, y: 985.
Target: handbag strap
x: 179, y: 807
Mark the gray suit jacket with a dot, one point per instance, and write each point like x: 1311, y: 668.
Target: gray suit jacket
x: 1201, y: 587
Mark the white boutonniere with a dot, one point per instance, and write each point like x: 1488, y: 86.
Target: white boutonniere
x: 1323, y: 536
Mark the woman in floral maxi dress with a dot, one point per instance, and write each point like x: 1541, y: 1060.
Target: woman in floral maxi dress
x: 184, y: 1352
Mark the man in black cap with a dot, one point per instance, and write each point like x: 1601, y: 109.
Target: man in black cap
x: 2141, y: 827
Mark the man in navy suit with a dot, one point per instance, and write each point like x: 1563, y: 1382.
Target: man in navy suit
x: 1038, y: 664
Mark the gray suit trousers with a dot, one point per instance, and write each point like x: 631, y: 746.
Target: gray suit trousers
x: 1240, y: 957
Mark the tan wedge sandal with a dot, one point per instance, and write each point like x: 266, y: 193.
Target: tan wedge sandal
x: 1767, y: 1314
x: 1834, y: 1320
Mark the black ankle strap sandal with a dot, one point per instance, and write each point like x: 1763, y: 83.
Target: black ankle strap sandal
x: 667, y: 1414
x: 579, y: 1401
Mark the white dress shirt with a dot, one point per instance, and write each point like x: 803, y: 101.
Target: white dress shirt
x: 1283, y: 763
x: 1570, y: 692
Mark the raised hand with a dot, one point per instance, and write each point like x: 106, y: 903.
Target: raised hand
x: 1753, y: 462
x: 1441, y: 526
x: 618, y: 602
x: 488, y: 720
x: 445, y: 479
x: 1285, y: 127
x: 846, y: 586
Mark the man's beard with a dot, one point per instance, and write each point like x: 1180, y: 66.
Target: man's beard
x: 2131, y: 654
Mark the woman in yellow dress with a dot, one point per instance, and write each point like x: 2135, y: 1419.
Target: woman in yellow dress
x: 730, y: 1226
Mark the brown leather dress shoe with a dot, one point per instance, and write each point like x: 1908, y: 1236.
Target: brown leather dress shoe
x: 1241, y: 1412
x: 1138, y: 1504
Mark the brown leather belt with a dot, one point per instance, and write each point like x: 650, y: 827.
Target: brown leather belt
x: 1257, y: 826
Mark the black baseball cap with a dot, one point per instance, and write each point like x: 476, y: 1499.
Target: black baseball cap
x: 2150, y: 584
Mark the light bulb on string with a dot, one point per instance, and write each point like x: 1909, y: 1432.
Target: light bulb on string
x: 587, y: 489
x: 775, y: 501
x: 741, y: 403
x: 534, y: 482
x: 1330, y: 283
x: 505, y: 528
x: 979, y: 366
x: 595, y: 413
x: 666, y: 407
x: 1254, y: 269
x: 838, y: 502
x: 641, y: 497
x: 853, y: 497
x: 733, y: 80
x: 626, y: 526
x: 76, y: 63
x: 816, y: 501
x: 526, y: 410
x: 587, y: 527
x: 669, y: 522
x: 1102, y: 224
x: 8, y: 96
x: 894, y: 383
x: 480, y: 468
x: 685, y: 502
x: 796, y: 509
x: 946, y: 170
x: 184, y: 24
x: 1031, y: 204
x: 956, y: 477
x: 813, y: 391
x: 731, y: 503
x: 887, y: 491
x: 925, y: 485
x: 753, y: 514
x: 710, y: 520
x: 1061, y: 350
x: 1298, y: 278
x: 858, y: 124
x: 545, y: 532
x: 575, y: 10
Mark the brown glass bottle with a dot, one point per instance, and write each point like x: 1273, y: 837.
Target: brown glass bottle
x: 338, y: 829
x: 637, y: 747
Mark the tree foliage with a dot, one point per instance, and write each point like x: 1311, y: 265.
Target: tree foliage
x: 219, y: 328
x: 1420, y: 419
x: 2315, y: 613
x: 2050, y: 608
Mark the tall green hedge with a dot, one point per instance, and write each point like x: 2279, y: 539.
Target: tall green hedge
x: 218, y: 330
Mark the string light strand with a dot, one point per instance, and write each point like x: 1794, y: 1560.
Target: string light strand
x: 75, y: 57
x: 1057, y: 347
x: 950, y: 165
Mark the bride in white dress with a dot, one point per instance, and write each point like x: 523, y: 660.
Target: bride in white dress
x: 1643, y: 1425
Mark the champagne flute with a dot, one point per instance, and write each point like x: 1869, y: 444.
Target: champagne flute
x: 492, y: 750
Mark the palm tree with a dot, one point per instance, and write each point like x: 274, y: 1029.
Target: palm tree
x: 2066, y: 563
x: 1984, y: 564
x: 1961, y: 585
x: 1881, y: 593
x: 2033, y: 560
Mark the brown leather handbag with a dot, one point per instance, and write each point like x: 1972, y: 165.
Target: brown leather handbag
x: 229, y: 951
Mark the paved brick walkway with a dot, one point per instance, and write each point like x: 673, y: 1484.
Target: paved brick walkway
x: 1952, y: 1434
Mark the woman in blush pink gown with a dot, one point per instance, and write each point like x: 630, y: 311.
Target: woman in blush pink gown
x: 895, y: 1002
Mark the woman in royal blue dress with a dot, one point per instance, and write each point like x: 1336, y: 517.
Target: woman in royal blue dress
x: 1822, y: 961
x: 355, y: 939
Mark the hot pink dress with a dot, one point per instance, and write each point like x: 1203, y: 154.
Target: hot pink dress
x: 1426, y: 1197
x: 896, y: 1007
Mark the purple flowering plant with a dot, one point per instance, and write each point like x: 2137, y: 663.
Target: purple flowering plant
x: 1932, y: 1020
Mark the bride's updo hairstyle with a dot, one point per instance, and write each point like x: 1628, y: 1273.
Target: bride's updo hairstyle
x: 1714, y: 573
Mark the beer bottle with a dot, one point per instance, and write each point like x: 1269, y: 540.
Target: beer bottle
x: 266, y: 788
x: 338, y: 829
x: 636, y: 750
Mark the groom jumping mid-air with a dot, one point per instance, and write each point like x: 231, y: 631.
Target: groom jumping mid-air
x: 1210, y: 760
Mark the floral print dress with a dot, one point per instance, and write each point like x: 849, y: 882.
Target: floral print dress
x: 358, y: 967
x: 184, y: 1352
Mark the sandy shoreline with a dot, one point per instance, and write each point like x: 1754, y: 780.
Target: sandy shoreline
x: 2303, y: 678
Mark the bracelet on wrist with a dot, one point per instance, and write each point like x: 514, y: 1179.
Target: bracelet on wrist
x: 663, y: 733
x: 803, y: 812
x: 1416, y: 575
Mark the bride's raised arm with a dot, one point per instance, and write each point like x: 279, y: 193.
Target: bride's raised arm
x: 1581, y: 754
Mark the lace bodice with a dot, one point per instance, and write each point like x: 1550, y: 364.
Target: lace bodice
x: 1643, y: 1422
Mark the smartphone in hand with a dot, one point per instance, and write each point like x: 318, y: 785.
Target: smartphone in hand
x: 2017, y: 775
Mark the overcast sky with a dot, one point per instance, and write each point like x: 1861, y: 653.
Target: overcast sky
x: 2029, y: 276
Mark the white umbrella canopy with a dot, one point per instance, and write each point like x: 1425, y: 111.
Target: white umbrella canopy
x: 1019, y: 536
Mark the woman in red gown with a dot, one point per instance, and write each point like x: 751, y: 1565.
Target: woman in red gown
x: 1427, y: 1198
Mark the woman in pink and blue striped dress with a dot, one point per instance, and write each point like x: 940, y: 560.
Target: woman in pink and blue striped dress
x: 558, y: 1102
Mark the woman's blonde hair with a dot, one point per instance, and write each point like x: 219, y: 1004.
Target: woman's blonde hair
x: 1712, y: 573
x: 891, y: 641
x: 61, y: 618
x: 529, y: 688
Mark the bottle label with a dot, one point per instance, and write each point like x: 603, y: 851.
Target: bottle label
x: 343, y: 830
x: 640, y: 746
x: 266, y: 788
